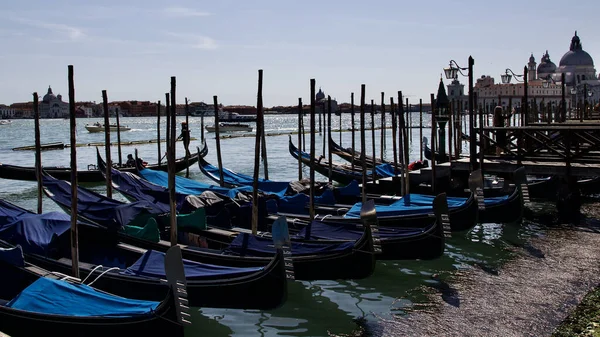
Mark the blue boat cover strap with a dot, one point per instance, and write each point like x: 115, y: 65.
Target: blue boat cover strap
x: 55, y: 297
x: 249, y: 245
x: 152, y: 264
x: 13, y: 256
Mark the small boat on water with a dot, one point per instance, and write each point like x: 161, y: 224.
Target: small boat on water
x: 97, y: 127
x: 230, y: 127
x: 5, y: 122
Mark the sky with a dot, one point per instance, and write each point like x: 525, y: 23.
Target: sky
x: 132, y: 48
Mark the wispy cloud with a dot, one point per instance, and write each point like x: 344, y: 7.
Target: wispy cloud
x: 195, y: 41
x: 184, y: 12
x: 73, y: 33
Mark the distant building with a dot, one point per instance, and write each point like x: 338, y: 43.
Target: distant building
x: 321, y: 102
x: 53, y: 106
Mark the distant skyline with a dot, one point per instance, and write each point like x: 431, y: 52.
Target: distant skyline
x: 132, y: 48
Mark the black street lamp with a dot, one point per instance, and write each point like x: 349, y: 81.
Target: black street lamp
x: 506, y: 77
x: 452, y: 73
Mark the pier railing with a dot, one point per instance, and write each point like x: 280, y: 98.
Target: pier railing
x: 565, y: 143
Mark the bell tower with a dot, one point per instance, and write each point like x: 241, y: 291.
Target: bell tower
x: 531, y: 66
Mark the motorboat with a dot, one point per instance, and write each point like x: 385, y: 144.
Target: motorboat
x: 97, y: 127
x: 230, y: 127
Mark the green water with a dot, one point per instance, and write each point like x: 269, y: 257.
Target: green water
x: 312, y: 308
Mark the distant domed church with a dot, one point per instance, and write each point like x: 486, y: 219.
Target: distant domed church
x: 576, y: 64
x: 53, y: 106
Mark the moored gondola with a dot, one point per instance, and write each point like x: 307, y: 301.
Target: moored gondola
x: 331, y: 260
x: 37, y: 302
x: 134, y: 272
x: 91, y: 175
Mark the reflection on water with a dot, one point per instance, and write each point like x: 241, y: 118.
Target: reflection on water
x: 313, y: 308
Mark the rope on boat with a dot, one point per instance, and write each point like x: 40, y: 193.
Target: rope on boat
x: 102, y: 274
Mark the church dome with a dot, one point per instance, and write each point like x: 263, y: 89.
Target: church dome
x: 320, y: 95
x: 576, y: 56
x: 546, y: 65
x: 48, y: 96
x: 531, y: 58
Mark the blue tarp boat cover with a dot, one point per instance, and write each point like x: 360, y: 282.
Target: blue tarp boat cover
x: 344, y: 231
x: 189, y: 186
x: 248, y: 245
x: 12, y: 256
x: 230, y: 177
x: 152, y: 264
x: 352, y: 189
x: 298, y: 203
x: 136, y: 187
x: 54, y: 297
x: 36, y: 232
x: 98, y: 208
x: 417, y: 204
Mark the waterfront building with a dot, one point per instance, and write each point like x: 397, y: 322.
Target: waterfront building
x: 53, y: 106
x: 321, y: 102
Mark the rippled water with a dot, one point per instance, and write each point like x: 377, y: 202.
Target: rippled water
x: 313, y: 308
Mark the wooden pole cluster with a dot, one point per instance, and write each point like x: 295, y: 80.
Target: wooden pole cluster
x: 38, y: 151
x: 171, y: 164
x: 107, y: 145
x: 218, y: 141
x: 73, y: 125
x: 257, y: 148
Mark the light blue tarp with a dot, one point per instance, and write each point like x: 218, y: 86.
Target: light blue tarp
x: 230, y: 177
x: 152, y: 264
x: 189, y: 186
x: 417, y: 204
x: 54, y: 297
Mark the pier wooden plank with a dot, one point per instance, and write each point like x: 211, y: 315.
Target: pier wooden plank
x: 532, y: 167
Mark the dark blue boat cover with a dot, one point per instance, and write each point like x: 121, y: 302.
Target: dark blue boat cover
x: 9, y: 212
x: 35, y: 232
x: 346, y: 231
x: 152, y: 264
x: 352, y: 189
x: 98, y: 208
x: 189, y: 186
x: 230, y: 177
x: 54, y: 297
x: 248, y: 245
x: 12, y: 256
x: 141, y: 189
x: 297, y: 204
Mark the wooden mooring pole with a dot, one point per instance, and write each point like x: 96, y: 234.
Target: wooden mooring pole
x: 118, y: 138
x: 421, y: 129
x: 382, y: 140
x: 38, y: 151
x: 185, y: 133
x: 373, y: 171
x: 352, y: 126
x: 394, y: 131
x: 433, y: 144
x: 300, y: 132
x: 73, y: 126
x: 312, y: 151
x: 107, y: 145
x: 257, y: 148
x: 329, y: 154
x: 157, y: 132
x: 218, y: 141
x: 363, y: 146
x: 171, y: 165
x: 168, y: 124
